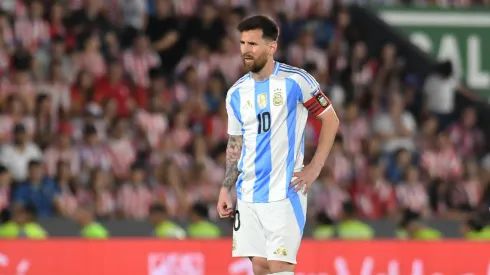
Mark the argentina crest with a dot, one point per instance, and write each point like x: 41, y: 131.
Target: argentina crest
x: 262, y: 100
x: 277, y: 98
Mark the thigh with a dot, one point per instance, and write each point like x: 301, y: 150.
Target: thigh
x: 248, y: 236
x: 283, y: 222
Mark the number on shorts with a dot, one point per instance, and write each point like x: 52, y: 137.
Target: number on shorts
x: 236, y: 221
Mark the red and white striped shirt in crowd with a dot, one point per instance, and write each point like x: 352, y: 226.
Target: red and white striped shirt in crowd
x: 468, y: 192
x: 6, y: 33
x: 104, y: 201
x: 60, y: 95
x: 94, y: 157
x: 122, y: 154
x: 330, y: 199
x: 68, y: 201
x: 185, y: 7
x: 4, y: 62
x: 353, y: 134
x: 169, y: 198
x: 341, y: 168
x: 4, y: 197
x: 466, y: 141
x: 299, y: 56
x: 442, y: 164
x: 53, y: 155
x: 33, y: 34
x: 134, y: 200
x: 92, y: 62
x: 373, y: 200
x: 412, y: 196
x: 26, y: 91
x: 7, y: 124
x: 202, y: 66
x: 138, y: 65
x: 228, y: 64
x: 216, y: 128
x: 155, y: 125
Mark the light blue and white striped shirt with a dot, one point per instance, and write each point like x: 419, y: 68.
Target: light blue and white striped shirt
x: 271, y: 116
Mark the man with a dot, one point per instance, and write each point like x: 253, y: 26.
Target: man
x: 201, y: 227
x: 351, y: 228
x: 164, y: 227
x: 267, y: 111
x: 90, y: 228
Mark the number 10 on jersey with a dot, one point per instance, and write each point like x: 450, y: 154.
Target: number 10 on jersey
x: 264, y: 122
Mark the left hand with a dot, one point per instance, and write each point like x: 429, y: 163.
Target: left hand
x: 306, y: 177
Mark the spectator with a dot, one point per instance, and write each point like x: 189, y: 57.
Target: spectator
x: 90, y: 228
x: 17, y: 155
x: 413, y: 228
x: 67, y: 186
x: 442, y: 161
x: 62, y: 150
x: 396, y: 127
x: 466, y: 136
x: 120, y: 150
x: 411, y: 193
x: 139, y: 60
x: 114, y: 87
x: 134, y: 198
x: 164, y: 228
x: 5, y: 188
x: 92, y: 152
x: 325, y: 227
x: 398, y: 164
x: 374, y: 197
x: 39, y: 191
x: 350, y: 228
x: 23, y: 224
x: 164, y: 32
x: 201, y: 227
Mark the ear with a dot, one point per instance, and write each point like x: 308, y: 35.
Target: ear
x: 272, y: 47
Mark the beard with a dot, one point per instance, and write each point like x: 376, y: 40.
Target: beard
x: 256, y: 65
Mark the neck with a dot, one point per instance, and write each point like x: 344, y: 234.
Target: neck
x: 265, y: 72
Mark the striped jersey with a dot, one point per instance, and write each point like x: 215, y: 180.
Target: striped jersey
x: 271, y: 116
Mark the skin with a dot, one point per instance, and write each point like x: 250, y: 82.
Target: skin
x: 257, y: 56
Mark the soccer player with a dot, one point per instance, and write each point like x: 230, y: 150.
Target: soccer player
x: 267, y: 111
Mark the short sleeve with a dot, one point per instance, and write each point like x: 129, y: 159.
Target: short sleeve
x: 233, y: 111
x: 312, y: 96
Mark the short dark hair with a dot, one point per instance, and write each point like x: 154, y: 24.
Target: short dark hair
x: 269, y: 28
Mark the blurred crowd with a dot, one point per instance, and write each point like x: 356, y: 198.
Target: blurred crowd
x: 119, y: 105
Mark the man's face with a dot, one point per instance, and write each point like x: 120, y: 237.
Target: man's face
x: 255, y: 50
x: 36, y: 173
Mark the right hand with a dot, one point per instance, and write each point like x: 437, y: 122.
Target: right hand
x: 225, y: 206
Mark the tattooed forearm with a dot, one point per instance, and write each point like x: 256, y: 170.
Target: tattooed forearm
x: 233, y: 152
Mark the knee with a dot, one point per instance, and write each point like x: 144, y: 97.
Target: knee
x: 260, y: 266
x: 279, y: 266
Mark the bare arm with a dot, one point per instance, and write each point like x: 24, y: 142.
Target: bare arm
x: 330, y: 125
x: 233, y: 153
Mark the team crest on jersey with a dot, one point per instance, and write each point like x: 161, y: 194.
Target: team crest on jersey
x: 262, y: 101
x: 322, y: 100
x: 277, y: 99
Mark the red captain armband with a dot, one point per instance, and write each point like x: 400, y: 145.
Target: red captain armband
x: 317, y: 104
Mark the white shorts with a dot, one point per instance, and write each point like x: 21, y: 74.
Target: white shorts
x: 270, y: 230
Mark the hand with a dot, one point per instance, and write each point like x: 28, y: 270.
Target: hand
x: 306, y: 177
x: 225, y: 207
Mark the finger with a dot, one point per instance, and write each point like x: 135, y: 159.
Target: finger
x: 295, y: 182
x: 307, y: 188
x: 298, y: 187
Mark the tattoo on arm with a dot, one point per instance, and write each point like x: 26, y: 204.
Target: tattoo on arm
x: 233, y: 152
